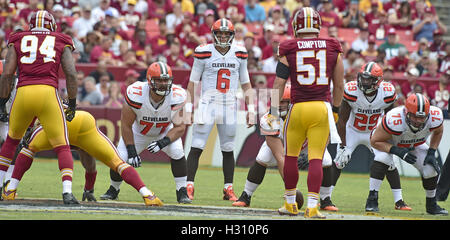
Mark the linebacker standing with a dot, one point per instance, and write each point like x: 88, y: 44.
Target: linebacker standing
x: 37, y: 54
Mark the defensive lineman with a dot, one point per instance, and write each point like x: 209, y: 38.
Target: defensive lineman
x: 403, y: 132
x: 152, y: 120
x: 220, y: 67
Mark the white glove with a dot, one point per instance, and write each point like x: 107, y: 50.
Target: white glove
x: 153, y: 147
x: 342, y: 157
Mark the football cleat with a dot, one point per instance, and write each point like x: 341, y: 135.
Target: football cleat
x: 182, y: 196
x: 111, y: 194
x: 288, y: 209
x: 433, y: 208
x: 69, y: 199
x: 372, y: 202
x: 228, y: 194
x: 243, y: 201
x: 152, y: 200
x: 8, y: 194
x: 401, y: 205
x: 190, y: 191
x: 327, y: 205
x: 89, y: 196
x: 313, y: 213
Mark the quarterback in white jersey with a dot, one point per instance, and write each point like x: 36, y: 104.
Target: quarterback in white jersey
x: 152, y: 120
x: 220, y: 67
x: 403, y: 132
x: 271, y: 152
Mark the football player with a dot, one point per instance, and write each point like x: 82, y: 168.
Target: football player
x: 311, y: 63
x: 403, y: 132
x: 152, y: 120
x: 271, y: 152
x: 38, y: 54
x: 365, y: 101
x: 92, y: 143
x: 220, y: 66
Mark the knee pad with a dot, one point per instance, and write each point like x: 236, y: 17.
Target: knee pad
x: 378, y: 170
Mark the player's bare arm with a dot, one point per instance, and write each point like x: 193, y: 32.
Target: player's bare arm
x: 338, y: 82
x: 68, y: 66
x: 9, y: 69
x: 127, y: 119
x: 249, y: 94
x: 190, y: 102
x: 178, y: 127
x: 344, y: 114
x: 379, y: 139
x: 436, y: 137
x: 276, y: 146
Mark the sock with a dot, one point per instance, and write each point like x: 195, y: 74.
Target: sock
x: 180, y: 182
x: 375, y: 184
x: 192, y: 163
x: 189, y: 182
x: 67, y: 186
x: 65, y: 162
x: 290, y: 195
x: 8, y: 173
x: 315, y: 175
x: 89, y: 180
x: 397, y: 193
x: 7, y: 154
x: 250, y: 187
x: 130, y: 176
x: 325, y: 192
x: 13, y: 183
x: 144, y: 191
x: 313, y: 199
x: 430, y: 193
x: 290, y: 172
x: 2, y: 174
x: 226, y: 185
x: 228, y: 166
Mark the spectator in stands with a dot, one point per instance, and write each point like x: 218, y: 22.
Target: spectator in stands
x: 368, y: 5
x: 391, y: 6
x: 329, y: 17
x: 6, y: 11
x: 391, y: 45
x: 204, y: 30
x: 159, y: 8
x: 159, y: 42
x: 380, y: 26
x: 402, y: 19
x: 131, y: 76
x: 445, y: 59
x: 210, y: 5
x: 400, y: 62
x: 148, y: 56
x: 423, y: 62
x: 25, y: 12
x: 249, y: 43
x: 362, y: 42
x: 260, y: 85
x: 438, y: 44
x: 174, y: 18
x: 254, y: 12
x: 58, y: 14
x: 189, y: 38
x: 351, y: 57
x: 130, y: 60
x: 83, y: 24
x: 267, y: 4
x: 352, y: 17
x: 412, y: 85
x: 268, y: 34
x: 80, y: 83
x: 388, y: 73
x: 278, y: 21
x: 175, y: 58
x: 270, y: 64
x: 131, y: 15
x: 114, y: 99
x: 103, y: 85
x: 421, y: 48
x: 93, y: 96
x: 239, y: 33
x: 439, y: 93
x: 371, y: 53
x: 431, y: 71
x: 102, y: 52
x: 285, y: 13
x: 99, y: 12
x: 425, y: 27
x: 233, y: 10
x: 102, y: 68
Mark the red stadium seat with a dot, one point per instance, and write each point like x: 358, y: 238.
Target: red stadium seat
x: 256, y: 29
x: 348, y: 34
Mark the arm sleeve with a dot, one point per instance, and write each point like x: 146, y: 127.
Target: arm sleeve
x: 243, y: 72
x: 197, y: 70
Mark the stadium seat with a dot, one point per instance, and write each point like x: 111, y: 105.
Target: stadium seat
x: 256, y: 29
x: 348, y: 34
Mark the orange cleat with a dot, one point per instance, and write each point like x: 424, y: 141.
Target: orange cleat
x: 190, y: 191
x: 228, y: 194
x: 402, y: 206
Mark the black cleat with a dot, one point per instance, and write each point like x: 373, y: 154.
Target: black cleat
x: 327, y: 205
x: 182, y: 196
x: 89, y: 196
x: 372, y: 202
x: 433, y: 208
x: 69, y: 199
x: 111, y: 194
x: 243, y: 201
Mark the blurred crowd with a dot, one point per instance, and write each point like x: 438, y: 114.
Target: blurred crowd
x: 135, y: 33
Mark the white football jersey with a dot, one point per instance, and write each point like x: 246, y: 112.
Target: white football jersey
x: 219, y: 74
x: 149, y: 121
x: 271, y: 125
x: 394, y: 122
x: 365, y: 114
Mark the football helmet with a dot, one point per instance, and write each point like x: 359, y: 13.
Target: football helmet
x: 223, y: 26
x: 42, y: 20
x: 417, y: 108
x: 369, y: 77
x: 159, y: 77
x: 306, y: 20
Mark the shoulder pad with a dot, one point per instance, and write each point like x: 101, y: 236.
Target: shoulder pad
x: 350, y: 91
x: 270, y: 125
x: 179, y: 97
x: 203, y: 51
x: 389, y: 94
x: 134, y: 95
x: 393, y: 122
x: 436, y: 118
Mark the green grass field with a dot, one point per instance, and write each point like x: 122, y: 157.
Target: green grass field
x: 43, y: 181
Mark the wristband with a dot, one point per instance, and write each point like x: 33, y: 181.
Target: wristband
x: 131, y: 150
x: 189, y: 107
x: 335, y: 109
x: 164, y: 142
x: 431, y: 151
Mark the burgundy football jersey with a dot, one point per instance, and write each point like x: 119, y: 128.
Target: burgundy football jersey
x: 311, y: 63
x: 39, y: 56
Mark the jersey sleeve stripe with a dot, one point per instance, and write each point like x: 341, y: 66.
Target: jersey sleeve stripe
x: 270, y: 133
x: 202, y: 55
x: 176, y: 107
x: 132, y: 103
x: 387, y: 129
x: 390, y: 99
x: 349, y: 97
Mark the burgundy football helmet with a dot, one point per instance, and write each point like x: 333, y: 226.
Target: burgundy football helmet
x: 42, y: 19
x: 306, y: 20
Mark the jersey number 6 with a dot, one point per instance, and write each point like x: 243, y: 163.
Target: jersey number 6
x: 223, y: 83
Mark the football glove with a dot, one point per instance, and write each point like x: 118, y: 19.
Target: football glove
x: 133, y: 158
x: 155, y: 146
x: 431, y: 159
x: 404, y: 153
x: 335, y: 113
x: 3, y: 114
x: 342, y: 157
x: 70, y: 110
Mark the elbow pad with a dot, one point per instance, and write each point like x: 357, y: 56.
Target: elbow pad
x: 282, y: 71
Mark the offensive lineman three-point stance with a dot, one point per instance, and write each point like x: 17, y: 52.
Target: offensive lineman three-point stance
x: 310, y: 62
x: 220, y: 67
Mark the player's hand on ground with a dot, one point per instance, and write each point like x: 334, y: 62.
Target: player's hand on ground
x: 133, y: 158
x: 431, y: 160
